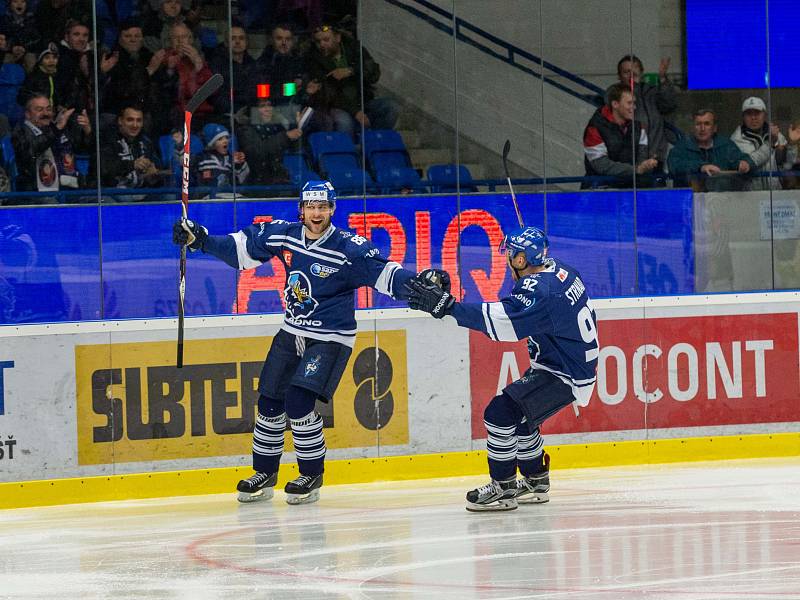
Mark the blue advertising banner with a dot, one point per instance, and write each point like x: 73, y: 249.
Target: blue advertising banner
x: 72, y: 263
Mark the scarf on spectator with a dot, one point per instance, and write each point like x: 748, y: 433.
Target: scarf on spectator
x: 55, y: 167
x: 757, y: 137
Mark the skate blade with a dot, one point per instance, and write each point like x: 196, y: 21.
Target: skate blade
x: 312, y: 496
x: 504, y: 504
x: 246, y: 497
x: 534, y: 498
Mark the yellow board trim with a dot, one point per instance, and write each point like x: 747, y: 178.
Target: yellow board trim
x: 393, y: 468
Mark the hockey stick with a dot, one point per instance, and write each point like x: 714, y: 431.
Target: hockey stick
x: 200, y: 96
x: 506, y: 150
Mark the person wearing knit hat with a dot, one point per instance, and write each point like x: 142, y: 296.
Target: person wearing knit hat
x: 42, y: 80
x: 217, y: 166
x: 763, y: 142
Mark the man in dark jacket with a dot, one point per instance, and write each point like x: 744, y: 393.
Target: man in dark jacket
x: 234, y: 50
x: 708, y: 161
x: 128, y: 160
x: 342, y: 67
x: 279, y: 65
x: 614, y: 144
x: 45, y: 147
x: 127, y: 82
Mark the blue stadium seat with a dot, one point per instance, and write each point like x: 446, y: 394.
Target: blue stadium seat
x: 447, y: 178
x: 166, y: 148
x: 299, y: 172
x: 9, y: 160
x: 384, y: 161
x: 397, y: 179
x: 208, y: 38
x: 382, y: 140
x: 333, y: 150
x: 82, y: 163
x: 351, y: 181
x: 11, y: 78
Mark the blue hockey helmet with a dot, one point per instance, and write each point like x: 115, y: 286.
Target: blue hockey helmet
x: 530, y: 240
x: 318, y: 192
x: 213, y: 132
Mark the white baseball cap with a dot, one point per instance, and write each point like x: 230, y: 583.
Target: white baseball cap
x: 753, y: 103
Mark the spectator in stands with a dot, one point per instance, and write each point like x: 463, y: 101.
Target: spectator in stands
x: 129, y: 159
x: 763, y: 142
x: 614, y: 144
x: 22, y: 37
x: 127, y: 82
x: 157, y: 24
x: 264, y: 141
x: 51, y: 17
x: 244, y: 72
x: 345, y: 70
x: 180, y: 75
x: 75, y: 63
x: 42, y: 80
x: 45, y: 147
x: 709, y: 161
x: 790, y: 181
x: 281, y: 64
x: 214, y: 166
x: 653, y: 103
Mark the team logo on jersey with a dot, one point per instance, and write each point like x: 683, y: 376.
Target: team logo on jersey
x: 299, y: 301
x: 312, y: 366
x: 323, y: 270
x: 287, y: 257
x: 562, y: 275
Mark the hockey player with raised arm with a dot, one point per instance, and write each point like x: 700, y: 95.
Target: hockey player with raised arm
x: 324, y: 265
x: 549, y: 306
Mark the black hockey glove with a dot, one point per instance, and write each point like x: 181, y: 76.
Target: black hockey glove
x: 189, y: 233
x: 437, y: 276
x: 429, y: 297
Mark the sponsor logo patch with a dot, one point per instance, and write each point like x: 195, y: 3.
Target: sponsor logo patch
x: 562, y: 275
x: 323, y: 271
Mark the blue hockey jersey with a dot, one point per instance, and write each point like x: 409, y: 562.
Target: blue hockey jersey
x: 552, y: 309
x: 321, y: 274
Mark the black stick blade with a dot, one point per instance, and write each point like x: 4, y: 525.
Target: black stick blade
x: 506, y: 150
x: 201, y: 95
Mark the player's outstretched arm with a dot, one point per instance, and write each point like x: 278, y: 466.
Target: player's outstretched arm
x: 195, y: 236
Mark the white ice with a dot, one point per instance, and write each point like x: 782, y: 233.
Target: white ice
x: 715, y: 530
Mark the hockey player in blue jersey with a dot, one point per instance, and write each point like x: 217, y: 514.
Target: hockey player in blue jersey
x: 324, y: 265
x: 549, y: 306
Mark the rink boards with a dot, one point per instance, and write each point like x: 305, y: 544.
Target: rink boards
x: 97, y: 410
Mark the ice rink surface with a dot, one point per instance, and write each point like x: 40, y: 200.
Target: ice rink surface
x: 716, y: 530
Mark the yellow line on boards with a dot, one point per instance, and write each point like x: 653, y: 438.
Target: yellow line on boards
x: 392, y: 468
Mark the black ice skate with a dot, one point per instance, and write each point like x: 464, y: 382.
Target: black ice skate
x: 304, y: 489
x: 533, y: 489
x: 495, y: 495
x: 257, y: 487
